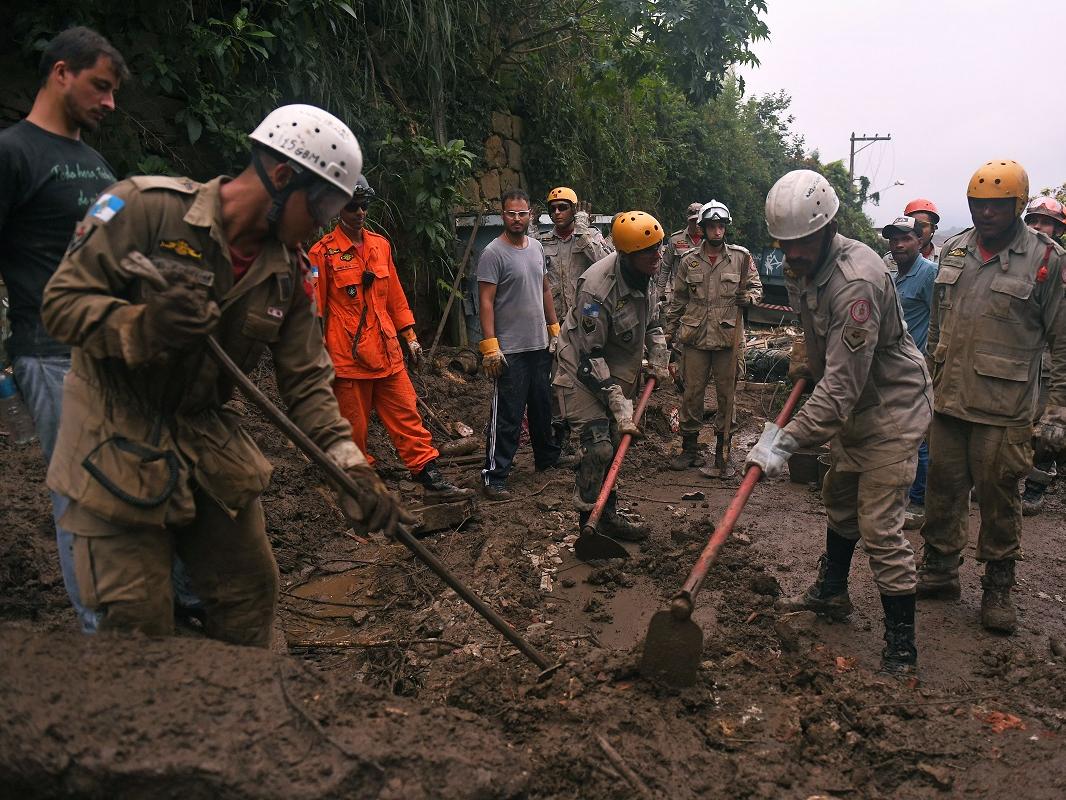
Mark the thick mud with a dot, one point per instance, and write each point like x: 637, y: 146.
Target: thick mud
x: 392, y: 687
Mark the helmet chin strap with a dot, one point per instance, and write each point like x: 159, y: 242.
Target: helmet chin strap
x: 279, y: 197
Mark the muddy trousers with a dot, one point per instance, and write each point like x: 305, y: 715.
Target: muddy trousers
x: 394, y: 398
x: 697, y: 367
x: 989, y: 458
x: 871, y: 505
x: 125, y: 576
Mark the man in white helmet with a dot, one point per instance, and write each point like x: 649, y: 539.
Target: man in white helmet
x: 152, y: 463
x: 873, y: 402
x: 710, y: 282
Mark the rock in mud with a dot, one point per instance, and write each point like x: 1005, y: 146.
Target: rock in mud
x: 789, y: 627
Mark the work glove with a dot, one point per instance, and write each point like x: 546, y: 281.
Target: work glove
x: 658, y: 359
x: 376, y: 508
x: 179, y: 316
x: 772, y: 451
x: 414, y: 350
x: 798, y: 368
x: 492, y: 358
x: 553, y: 337
x: 621, y: 408
x: 1051, y: 430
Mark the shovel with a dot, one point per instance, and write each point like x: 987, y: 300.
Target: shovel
x: 592, y: 544
x: 341, y: 478
x: 674, y: 643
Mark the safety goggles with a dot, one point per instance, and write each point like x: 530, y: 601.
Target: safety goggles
x: 515, y: 214
x: 325, y: 201
x: 715, y: 216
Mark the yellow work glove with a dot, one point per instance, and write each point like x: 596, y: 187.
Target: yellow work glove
x: 492, y: 358
x: 553, y: 337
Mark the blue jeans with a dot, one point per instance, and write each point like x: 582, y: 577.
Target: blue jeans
x: 524, y: 387
x: 40, y: 379
x: 918, y: 487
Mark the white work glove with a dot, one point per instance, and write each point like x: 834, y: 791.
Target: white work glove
x: 772, y: 451
x: 659, y: 359
x: 553, y: 337
x: 622, y: 410
x: 375, y: 508
x: 492, y: 358
x: 1051, y: 429
x: 414, y: 349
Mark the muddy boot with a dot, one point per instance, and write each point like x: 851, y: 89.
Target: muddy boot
x: 1035, y: 485
x: 437, y: 490
x: 900, y: 656
x: 720, y: 469
x: 938, y: 576
x: 829, y: 594
x: 997, y: 608
x: 617, y: 527
x: 690, y: 453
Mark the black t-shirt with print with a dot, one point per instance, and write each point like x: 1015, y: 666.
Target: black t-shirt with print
x: 47, y: 183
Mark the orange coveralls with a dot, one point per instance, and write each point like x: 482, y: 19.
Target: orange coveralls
x: 373, y: 376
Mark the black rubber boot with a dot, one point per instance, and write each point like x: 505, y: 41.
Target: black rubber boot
x: 617, y: 527
x: 997, y: 608
x: 829, y: 594
x: 900, y: 656
x: 938, y: 576
x: 690, y: 453
x: 436, y: 489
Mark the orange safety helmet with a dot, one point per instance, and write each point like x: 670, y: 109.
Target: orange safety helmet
x: 633, y: 231
x: 1001, y: 178
x: 562, y: 194
x: 921, y: 204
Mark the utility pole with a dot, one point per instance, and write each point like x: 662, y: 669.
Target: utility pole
x: 863, y: 138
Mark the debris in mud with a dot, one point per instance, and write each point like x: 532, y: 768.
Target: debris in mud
x: 693, y: 496
x: 790, y: 626
x: 609, y: 577
x: 1000, y: 721
x: 941, y: 776
x: 764, y: 584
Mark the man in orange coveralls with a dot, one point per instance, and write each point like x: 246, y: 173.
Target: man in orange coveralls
x: 365, y: 314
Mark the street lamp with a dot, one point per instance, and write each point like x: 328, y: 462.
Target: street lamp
x: 875, y: 197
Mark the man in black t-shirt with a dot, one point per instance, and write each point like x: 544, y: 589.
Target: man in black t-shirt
x: 49, y: 178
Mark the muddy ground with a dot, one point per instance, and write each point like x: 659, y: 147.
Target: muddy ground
x: 387, y: 686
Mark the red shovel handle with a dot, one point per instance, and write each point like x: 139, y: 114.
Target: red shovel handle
x: 683, y: 600
x: 616, y: 465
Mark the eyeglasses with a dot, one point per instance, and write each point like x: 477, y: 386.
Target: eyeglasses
x: 358, y: 205
x: 559, y: 208
x: 516, y: 214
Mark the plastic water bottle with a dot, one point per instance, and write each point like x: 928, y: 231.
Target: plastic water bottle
x: 13, y: 412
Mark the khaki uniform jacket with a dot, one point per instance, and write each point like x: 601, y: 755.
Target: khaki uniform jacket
x: 678, y: 244
x: 567, y: 259
x: 989, y: 327
x: 873, y: 398
x: 610, y: 321
x: 703, y: 309
x: 140, y: 428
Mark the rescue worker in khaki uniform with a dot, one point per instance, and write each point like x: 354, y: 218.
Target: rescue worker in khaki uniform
x: 151, y: 461
x: 601, y: 347
x: 365, y: 315
x: 996, y: 305
x: 678, y: 244
x: 711, y: 283
x: 570, y: 247
x: 872, y: 402
x: 1045, y: 215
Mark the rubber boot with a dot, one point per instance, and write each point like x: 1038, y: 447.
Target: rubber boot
x: 617, y: 527
x: 437, y: 490
x: 690, y: 453
x: 938, y: 576
x: 900, y: 656
x: 829, y: 594
x: 997, y: 608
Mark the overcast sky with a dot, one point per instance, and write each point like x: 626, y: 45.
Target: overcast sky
x: 949, y: 79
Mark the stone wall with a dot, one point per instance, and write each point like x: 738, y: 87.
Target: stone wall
x: 503, y: 164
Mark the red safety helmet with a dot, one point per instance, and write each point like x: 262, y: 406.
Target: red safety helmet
x: 1048, y: 207
x: 921, y: 204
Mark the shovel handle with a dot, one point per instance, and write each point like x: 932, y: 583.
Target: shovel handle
x: 683, y: 601
x: 342, y: 479
x: 616, y: 464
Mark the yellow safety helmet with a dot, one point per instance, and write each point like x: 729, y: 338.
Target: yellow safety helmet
x: 560, y: 193
x: 998, y: 179
x: 635, y: 230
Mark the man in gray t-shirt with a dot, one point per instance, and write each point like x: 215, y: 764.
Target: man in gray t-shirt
x: 520, y: 331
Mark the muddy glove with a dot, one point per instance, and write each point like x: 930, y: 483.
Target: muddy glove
x: 553, y: 337
x: 622, y: 410
x: 414, y: 349
x: 178, y: 317
x: 1051, y: 429
x: 492, y: 358
x: 658, y: 359
x: 798, y: 367
x: 376, y: 508
x: 772, y: 451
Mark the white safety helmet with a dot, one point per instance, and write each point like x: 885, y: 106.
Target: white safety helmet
x: 714, y: 211
x: 314, y: 140
x: 800, y: 203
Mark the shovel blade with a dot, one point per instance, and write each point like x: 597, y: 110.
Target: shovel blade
x: 593, y: 546
x: 672, y: 650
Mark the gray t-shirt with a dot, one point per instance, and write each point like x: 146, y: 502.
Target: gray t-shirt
x: 519, y: 278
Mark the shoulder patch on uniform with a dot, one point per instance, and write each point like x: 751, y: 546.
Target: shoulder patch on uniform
x: 85, y: 230
x: 590, y: 310
x: 148, y: 182
x: 180, y: 247
x: 957, y: 251
x: 854, y: 337
x: 860, y: 311
x: 347, y: 257
x: 106, y: 207
x: 588, y: 324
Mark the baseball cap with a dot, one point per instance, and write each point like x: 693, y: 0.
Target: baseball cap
x: 900, y: 225
x: 694, y: 210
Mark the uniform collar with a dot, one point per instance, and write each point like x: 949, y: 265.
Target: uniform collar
x: 825, y: 271
x: 624, y: 288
